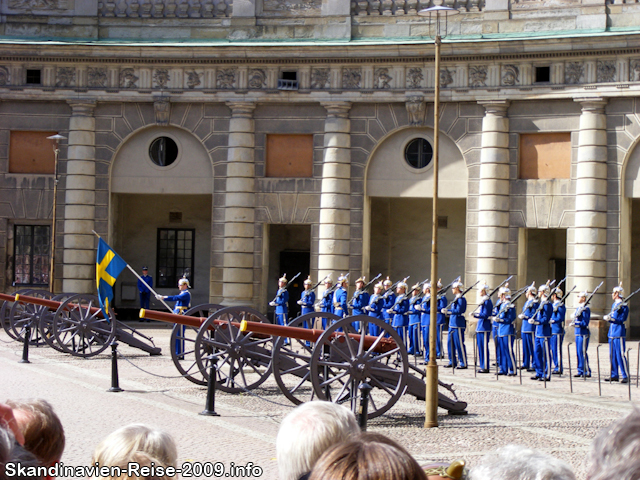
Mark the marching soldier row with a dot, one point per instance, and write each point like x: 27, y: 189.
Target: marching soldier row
x: 409, y: 313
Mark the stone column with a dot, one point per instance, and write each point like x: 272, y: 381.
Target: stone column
x: 335, y: 211
x: 493, y: 208
x: 79, y: 256
x: 589, y: 235
x: 239, y: 214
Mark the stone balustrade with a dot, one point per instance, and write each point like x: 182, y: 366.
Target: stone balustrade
x: 165, y: 8
x: 409, y: 7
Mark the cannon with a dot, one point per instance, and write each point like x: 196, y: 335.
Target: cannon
x: 70, y: 323
x: 307, y: 364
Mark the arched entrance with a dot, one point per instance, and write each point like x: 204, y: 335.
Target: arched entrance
x: 630, y: 232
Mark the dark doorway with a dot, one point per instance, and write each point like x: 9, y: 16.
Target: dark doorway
x: 546, y: 255
x: 293, y: 262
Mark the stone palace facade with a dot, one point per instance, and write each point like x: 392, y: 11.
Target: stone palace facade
x: 236, y: 140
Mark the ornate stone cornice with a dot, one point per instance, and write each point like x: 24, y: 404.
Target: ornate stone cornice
x: 242, y: 109
x: 497, y: 108
x: 337, y: 109
x: 592, y: 104
x: 82, y: 107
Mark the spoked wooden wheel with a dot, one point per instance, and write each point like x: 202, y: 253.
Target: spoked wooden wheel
x: 182, y: 344
x: 243, y: 358
x: 25, y: 315
x: 46, y: 322
x: 5, y: 312
x: 79, y: 327
x: 291, y: 359
x: 349, y: 362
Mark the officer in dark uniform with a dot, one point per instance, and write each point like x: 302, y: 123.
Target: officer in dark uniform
x: 145, y: 293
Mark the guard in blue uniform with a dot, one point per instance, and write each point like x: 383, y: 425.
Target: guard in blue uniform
x: 145, y: 292
x: 527, y: 329
x: 414, y: 321
x: 495, y: 324
x: 326, y: 303
x: 399, y: 310
x: 542, y: 353
x: 359, y: 301
x: 307, y: 300
x: 617, y: 335
x: 281, y: 302
x: 389, y: 300
x: 557, y: 330
x: 505, y: 318
x: 483, y: 328
x: 374, y: 309
x: 340, y: 298
x: 425, y: 319
x: 581, y: 318
x: 457, y: 326
x: 443, y: 301
x: 183, y: 302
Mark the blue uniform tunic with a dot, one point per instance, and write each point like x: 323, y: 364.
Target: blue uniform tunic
x: 183, y: 301
x: 542, y: 352
x: 340, y: 302
x: 506, y: 316
x: 359, y: 301
x: 145, y: 293
x: 326, y: 305
x: 414, y: 325
x: 400, y: 321
x: 388, y: 302
x: 581, y: 322
x: 483, y: 331
x: 527, y: 332
x: 282, y: 306
x: 374, y: 309
x: 617, y: 335
x: 307, y: 301
x: 443, y: 301
x: 557, y: 334
x: 457, y: 326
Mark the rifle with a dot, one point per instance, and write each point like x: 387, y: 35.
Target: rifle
x: 386, y: 294
x: 318, y: 284
x: 580, y: 309
x: 493, y: 292
x: 357, y: 293
x: 625, y: 300
x: 462, y: 294
x: 285, y: 287
x: 334, y: 288
x: 443, y: 290
x: 567, y: 294
x: 417, y: 287
x: 519, y: 293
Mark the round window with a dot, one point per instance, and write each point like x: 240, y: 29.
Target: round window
x: 418, y: 153
x: 163, y: 151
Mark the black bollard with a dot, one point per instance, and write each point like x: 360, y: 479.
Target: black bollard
x: 115, y: 387
x: 363, y: 413
x: 25, y: 347
x: 209, y: 409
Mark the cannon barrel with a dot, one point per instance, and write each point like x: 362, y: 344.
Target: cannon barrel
x: 7, y: 298
x: 43, y: 302
x: 305, y: 334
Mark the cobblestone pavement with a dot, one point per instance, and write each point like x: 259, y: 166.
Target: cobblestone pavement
x: 500, y: 410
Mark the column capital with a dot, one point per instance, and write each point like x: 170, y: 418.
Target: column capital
x: 496, y: 108
x: 242, y: 109
x: 82, y: 107
x: 592, y: 104
x: 337, y: 109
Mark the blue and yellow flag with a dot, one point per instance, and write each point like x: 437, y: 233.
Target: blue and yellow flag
x: 108, y: 267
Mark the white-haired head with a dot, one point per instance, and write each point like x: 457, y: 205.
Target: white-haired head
x: 307, y: 432
x: 615, y: 452
x: 515, y: 462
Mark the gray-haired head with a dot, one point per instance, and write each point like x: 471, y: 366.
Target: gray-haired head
x: 515, y: 462
x: 307, y: 432
x: 615, y: 452
x: 17, y: 456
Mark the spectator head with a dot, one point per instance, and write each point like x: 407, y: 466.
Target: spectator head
x: 521, y: 463
x: 615, y: 452
x: 139, y: 444
x: 12, y: 453
x: 307, y: 432
x: 42, y: 429
x: 370, y: 456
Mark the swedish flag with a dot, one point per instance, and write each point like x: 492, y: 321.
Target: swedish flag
x: 108, y: 267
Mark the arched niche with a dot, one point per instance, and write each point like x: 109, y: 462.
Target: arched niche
x: 389, y: 175
x: 133, y: 171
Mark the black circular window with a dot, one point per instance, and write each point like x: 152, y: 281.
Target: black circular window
x: 418, y: 153
x: 163, y: 151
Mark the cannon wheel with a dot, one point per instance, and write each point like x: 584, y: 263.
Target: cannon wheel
x: 80, y: 332
x: 349, y: 363
x: 184, y: 357
x: 291, y: 362
x: 46, y: 323
x: 28, y: 314
x: 5, y: 312
x: 243, y: 359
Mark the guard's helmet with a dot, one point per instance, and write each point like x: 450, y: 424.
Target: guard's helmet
x: 308, y: 281
x: 283, y: 278
x: 387, y: 282
x: 184, y: 281
x: 618, y: 289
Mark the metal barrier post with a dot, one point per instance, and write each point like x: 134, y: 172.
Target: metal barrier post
x: 569, y: 362
x: 115, y: 387
x: 475, y: 354
x: 638, y: 368
x: 518, y: 360
x: 598, y: 360
x: 25, y: 346
x: 626, y: 359
x: 363, y: 412
x: 209, y: 408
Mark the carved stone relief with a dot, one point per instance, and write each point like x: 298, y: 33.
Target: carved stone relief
x: 634, y: 71
x: 128, y: 78
x: 4, y: 76
x: 414, y: 78
x: 382, y: 78
x: 193, y: 79
x: 39, y: 4
x: 257, y: 78
x: 226, y: 78
x: 351, y: 77
x: 320, y: 78
x: 446, y: 77
x: 478, y: 76
x: 162, y: 109
x: 416, y: 109
x: 606, y: 71
x: 97, y: 77
x: 573, y: 72
x: 65, y: 76
x: 510, y: 75
x: 292, y: 8
x: 161, y: 77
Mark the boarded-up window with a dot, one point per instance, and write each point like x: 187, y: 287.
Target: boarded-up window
x: 289, y: 156
x: 545, y: 155
x: 31, y: 152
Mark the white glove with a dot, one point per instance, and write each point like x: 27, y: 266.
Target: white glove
x: 368, y: 309
x: 390, y: 311
x: 573, y: 316
x: 477, y: 315
x: 555, y: 309
x: 443, y: 311
x: 607, y: 318
x: 531, y: 321
x: 159, y: 297
x: 299, y: 302
x: 273, y: 304
x: 521, y: 316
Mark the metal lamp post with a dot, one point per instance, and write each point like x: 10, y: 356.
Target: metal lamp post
x: 436, y: 15
x: 56, y: 152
